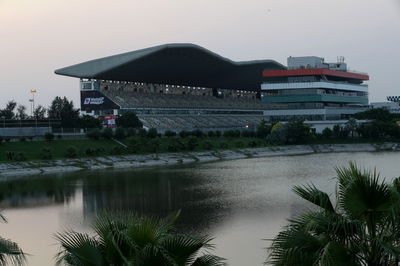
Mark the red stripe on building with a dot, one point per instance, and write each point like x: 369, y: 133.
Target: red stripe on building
x: 312, y: 72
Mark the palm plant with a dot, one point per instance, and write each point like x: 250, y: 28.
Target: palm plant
x: 127, y: 239
x: 362, y: 228
x: 10, y: 252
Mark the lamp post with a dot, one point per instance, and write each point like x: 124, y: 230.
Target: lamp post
x: 32, y: 101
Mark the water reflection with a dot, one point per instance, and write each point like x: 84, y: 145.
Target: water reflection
x: 238, y: 202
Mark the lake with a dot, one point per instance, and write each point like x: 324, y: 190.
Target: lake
x: 239, y: 202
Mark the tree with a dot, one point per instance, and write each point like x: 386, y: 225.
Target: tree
x: 21, y: 112
x: 10, y: 251
x: 8, y: 112
x: 63, y: 109
x: 263, y: 130
x: 87, y: 121
x: 381, y: 114
x: 362, y: 228
x: 39, y: 112
x: 128, y: 119
x: 132, y: 240
x: 351, y: 126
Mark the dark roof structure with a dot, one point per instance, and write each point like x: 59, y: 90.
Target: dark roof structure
x: 175, y: 64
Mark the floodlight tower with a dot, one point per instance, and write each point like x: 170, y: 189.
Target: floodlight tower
x: 32, y: 101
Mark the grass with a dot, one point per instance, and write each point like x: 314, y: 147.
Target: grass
x: 33, y: 149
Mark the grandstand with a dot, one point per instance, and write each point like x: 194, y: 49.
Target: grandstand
x: 174, y: 87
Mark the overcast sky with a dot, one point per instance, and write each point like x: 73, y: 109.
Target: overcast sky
x: 39, y: 36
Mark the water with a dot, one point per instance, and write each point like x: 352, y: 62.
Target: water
x: 239, y: 202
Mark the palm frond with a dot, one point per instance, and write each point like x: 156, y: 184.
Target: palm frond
x: 209, y: 260
x: 11, y: 252
x: 315, y: 196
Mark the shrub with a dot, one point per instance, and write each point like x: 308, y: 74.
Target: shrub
x: 327, y: 133
x: 22, y: 139
x: 175, y: 144
x: 263, y: 130
x: 20, y: 156
x: 135, y: 144
x: 91, y: 152
x: 127, y: 120
x: 207, y: 145
x: 211, y: 134
x: 30, y: 138
x: 107, y: 133
x: 59, y: 136
x: 142, y: 133
x: 197, y: 133
x: 170, y: 133
x: 153, y: 145
x: 184, y: 134
x: 232, y: 133
x: 130, y: 132
x: 248, y: 134
x: 49, y: 136
x: 1, y: 139
x: 218, y: 133
x: 224, y: 145
x: 10, y: 155
x: 94, y: 134
x: 120, y: 133
x: 117, y: 150
x: 239, y: 144
x: 192, y: 143
x: 46, y: 154
x: 152, y: 133
x: 254, y: 143
x: 7, y: 139
x: 72, y: 152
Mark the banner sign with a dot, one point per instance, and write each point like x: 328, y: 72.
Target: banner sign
x: 95, y: 100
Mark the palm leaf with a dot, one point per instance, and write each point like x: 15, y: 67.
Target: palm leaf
x: 315, y: 196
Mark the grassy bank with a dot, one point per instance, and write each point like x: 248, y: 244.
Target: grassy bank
x: 60, y: 149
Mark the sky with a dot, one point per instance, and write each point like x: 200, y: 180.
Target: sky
x: 39, y: 36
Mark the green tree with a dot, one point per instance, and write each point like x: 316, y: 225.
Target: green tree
x: 128, y: 119
x: 21, y: 112
x: 362, y: 228
x: 39, y: 112
x: 87, y: 121
x: 131, y: 240
x: 8, y: 112
x: 10, y: 251
x: 63, y: 109
x: 263, y: 130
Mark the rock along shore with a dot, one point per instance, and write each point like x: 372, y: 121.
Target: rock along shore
x: 12, y: 170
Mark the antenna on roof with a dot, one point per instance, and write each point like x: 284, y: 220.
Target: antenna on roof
x: 340, y: 59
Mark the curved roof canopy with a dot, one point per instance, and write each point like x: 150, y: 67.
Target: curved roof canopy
x: 175, y: 64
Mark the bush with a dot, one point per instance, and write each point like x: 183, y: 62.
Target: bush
x: 153, y: 145
x: 254, y: 143
x: 120, y: 133
x: 184, y: 134
x: 232, y: 133
x: 135, y: 144
x: 107, y: 133
x: 46, y: 154
x: 224, y: 145
x: 211, y: 134
x: 127, y: 120
x: 22, y: 139
x: 175, y: 144
x: 93, y: 134
x: 192, y: 143
x: 248, y: 134
x: 207, y: 145
x: 30, y: 138
x: 49, y: 136
x: 20, y: 156
x: 170, y: 133
x: 263, y: 130
x: 72, y: 152
x: 7, y: 139
x: 239, y: 144
x: 117, y: 150
x: 92, y: 151
x: 327, y: 133
x: 59, y: 136
x: 197, y: 133
x: 130, y: 132
x: 10, y: 155
x: 1, y: 139
x: 152, y: 133
x: 218, y: 133
x: 142, y: 133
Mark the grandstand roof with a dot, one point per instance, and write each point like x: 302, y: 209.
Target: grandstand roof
x: 175, y: 64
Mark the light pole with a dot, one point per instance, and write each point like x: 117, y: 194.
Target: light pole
x: 33, y: 101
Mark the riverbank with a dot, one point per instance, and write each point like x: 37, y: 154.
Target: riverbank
x: 134, y: 161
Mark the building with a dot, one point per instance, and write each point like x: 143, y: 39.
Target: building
x: 174, y: 87
x: 186, y: 87
x: 312, y: 89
